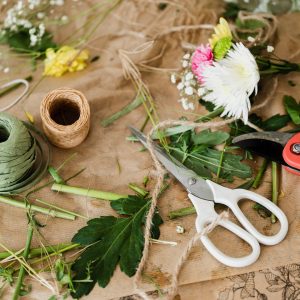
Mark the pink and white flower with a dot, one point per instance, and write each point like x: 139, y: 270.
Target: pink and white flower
x: 202, y: 58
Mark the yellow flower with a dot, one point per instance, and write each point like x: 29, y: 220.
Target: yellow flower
x: 222, y: 30
x: 65, y: 59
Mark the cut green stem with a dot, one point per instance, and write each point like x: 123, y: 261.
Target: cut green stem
x: 86, y: 192
x: 61, y: 209
x: 34, y: 252
x: 260, y: 174
x: 182, y: 212
x: 19, y: 284
x: 138, y: 100
x: 43, y: 210
x: 57, y: 178
x: 274, y: 188
x: 140, y: 191
x: 68, y: 247
x: 220, y: 164
x: 210, y: 115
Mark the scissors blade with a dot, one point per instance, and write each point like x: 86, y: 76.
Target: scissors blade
x: 266, y: 144
x: 188, y: 178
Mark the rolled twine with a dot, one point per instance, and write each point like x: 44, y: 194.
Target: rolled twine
x: 65, y: 115
x: 17, y: 152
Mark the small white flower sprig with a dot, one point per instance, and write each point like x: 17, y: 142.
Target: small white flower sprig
x: 187, y: 85
x: 28, y: 16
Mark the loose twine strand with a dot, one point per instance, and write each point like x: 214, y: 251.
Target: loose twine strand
x: 172, y: 290
x: 20, y: 97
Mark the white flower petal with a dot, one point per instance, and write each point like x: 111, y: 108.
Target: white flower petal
x: 180, y: 86
x: 231, y: 81
x: 189, y: 91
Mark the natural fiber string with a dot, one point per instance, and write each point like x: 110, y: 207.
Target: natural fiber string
x: 172, y: 290
x: 160, y: 171
x: 263, y: 35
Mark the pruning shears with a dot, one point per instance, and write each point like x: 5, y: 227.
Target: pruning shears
x: 281, y: 147
x: 204, y: 194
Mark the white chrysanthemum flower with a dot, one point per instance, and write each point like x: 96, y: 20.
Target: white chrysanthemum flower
x: 231, y: 81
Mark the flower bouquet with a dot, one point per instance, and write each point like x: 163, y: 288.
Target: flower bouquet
x: 226, y: 73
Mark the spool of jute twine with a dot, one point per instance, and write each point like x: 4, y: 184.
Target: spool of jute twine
x: 65, y: 115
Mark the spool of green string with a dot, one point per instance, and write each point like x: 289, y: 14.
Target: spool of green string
x: 17, y: 152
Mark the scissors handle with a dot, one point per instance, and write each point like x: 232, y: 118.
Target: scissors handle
x: 206, y: 214
x: 231, y: 198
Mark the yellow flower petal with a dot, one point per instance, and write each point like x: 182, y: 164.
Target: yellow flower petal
x: 222, y: 30
x: 65, y: 59
x: 29, y: 117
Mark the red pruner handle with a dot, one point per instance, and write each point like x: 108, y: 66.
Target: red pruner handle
x: 291, y: 154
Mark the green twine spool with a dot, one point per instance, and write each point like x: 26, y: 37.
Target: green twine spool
x: 21, y: 156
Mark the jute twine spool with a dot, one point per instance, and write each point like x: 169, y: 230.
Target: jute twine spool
x: 65, y: 115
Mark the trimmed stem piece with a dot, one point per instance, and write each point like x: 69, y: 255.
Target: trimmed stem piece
x: 46, y: 211
x: 182, y: 212
x: 34, y: 252
x: 260, y: 174
x: 138, y: 100
x: 86, y: 192
x: 22, y: 269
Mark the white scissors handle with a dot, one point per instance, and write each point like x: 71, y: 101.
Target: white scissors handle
x: 206, y: 214
x: 231, y: 198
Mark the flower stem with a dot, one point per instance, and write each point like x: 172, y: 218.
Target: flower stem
x: 22, y: 269
x: 210, y: 115
x: 140, y: 191
x: 274, y: 188
x: 34, y: 252
x: 138, y: 100
x: 260, y: 174
x: 46, y: 211
x: 182, y: 212
x: 60, y: 209
x: 86, y: 192
x: 67, y: 247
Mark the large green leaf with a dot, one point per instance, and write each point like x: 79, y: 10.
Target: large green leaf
x: 292, y: 108
x: 207, y: 137
x: 112, y: 241
x: 196, y: 152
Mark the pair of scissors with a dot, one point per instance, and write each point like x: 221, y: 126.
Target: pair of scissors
x: 204, y: 194
x: 281, y: 147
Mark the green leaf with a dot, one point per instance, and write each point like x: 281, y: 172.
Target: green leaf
x: 292, y: 108
x: 112, y: 241
x: 207, y: 137
x: 274, y: 123
x: 172, y: 131
x: 231, y: 166
x: 20, y: 41
x: 208, y: 105
x: 222, y: 47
